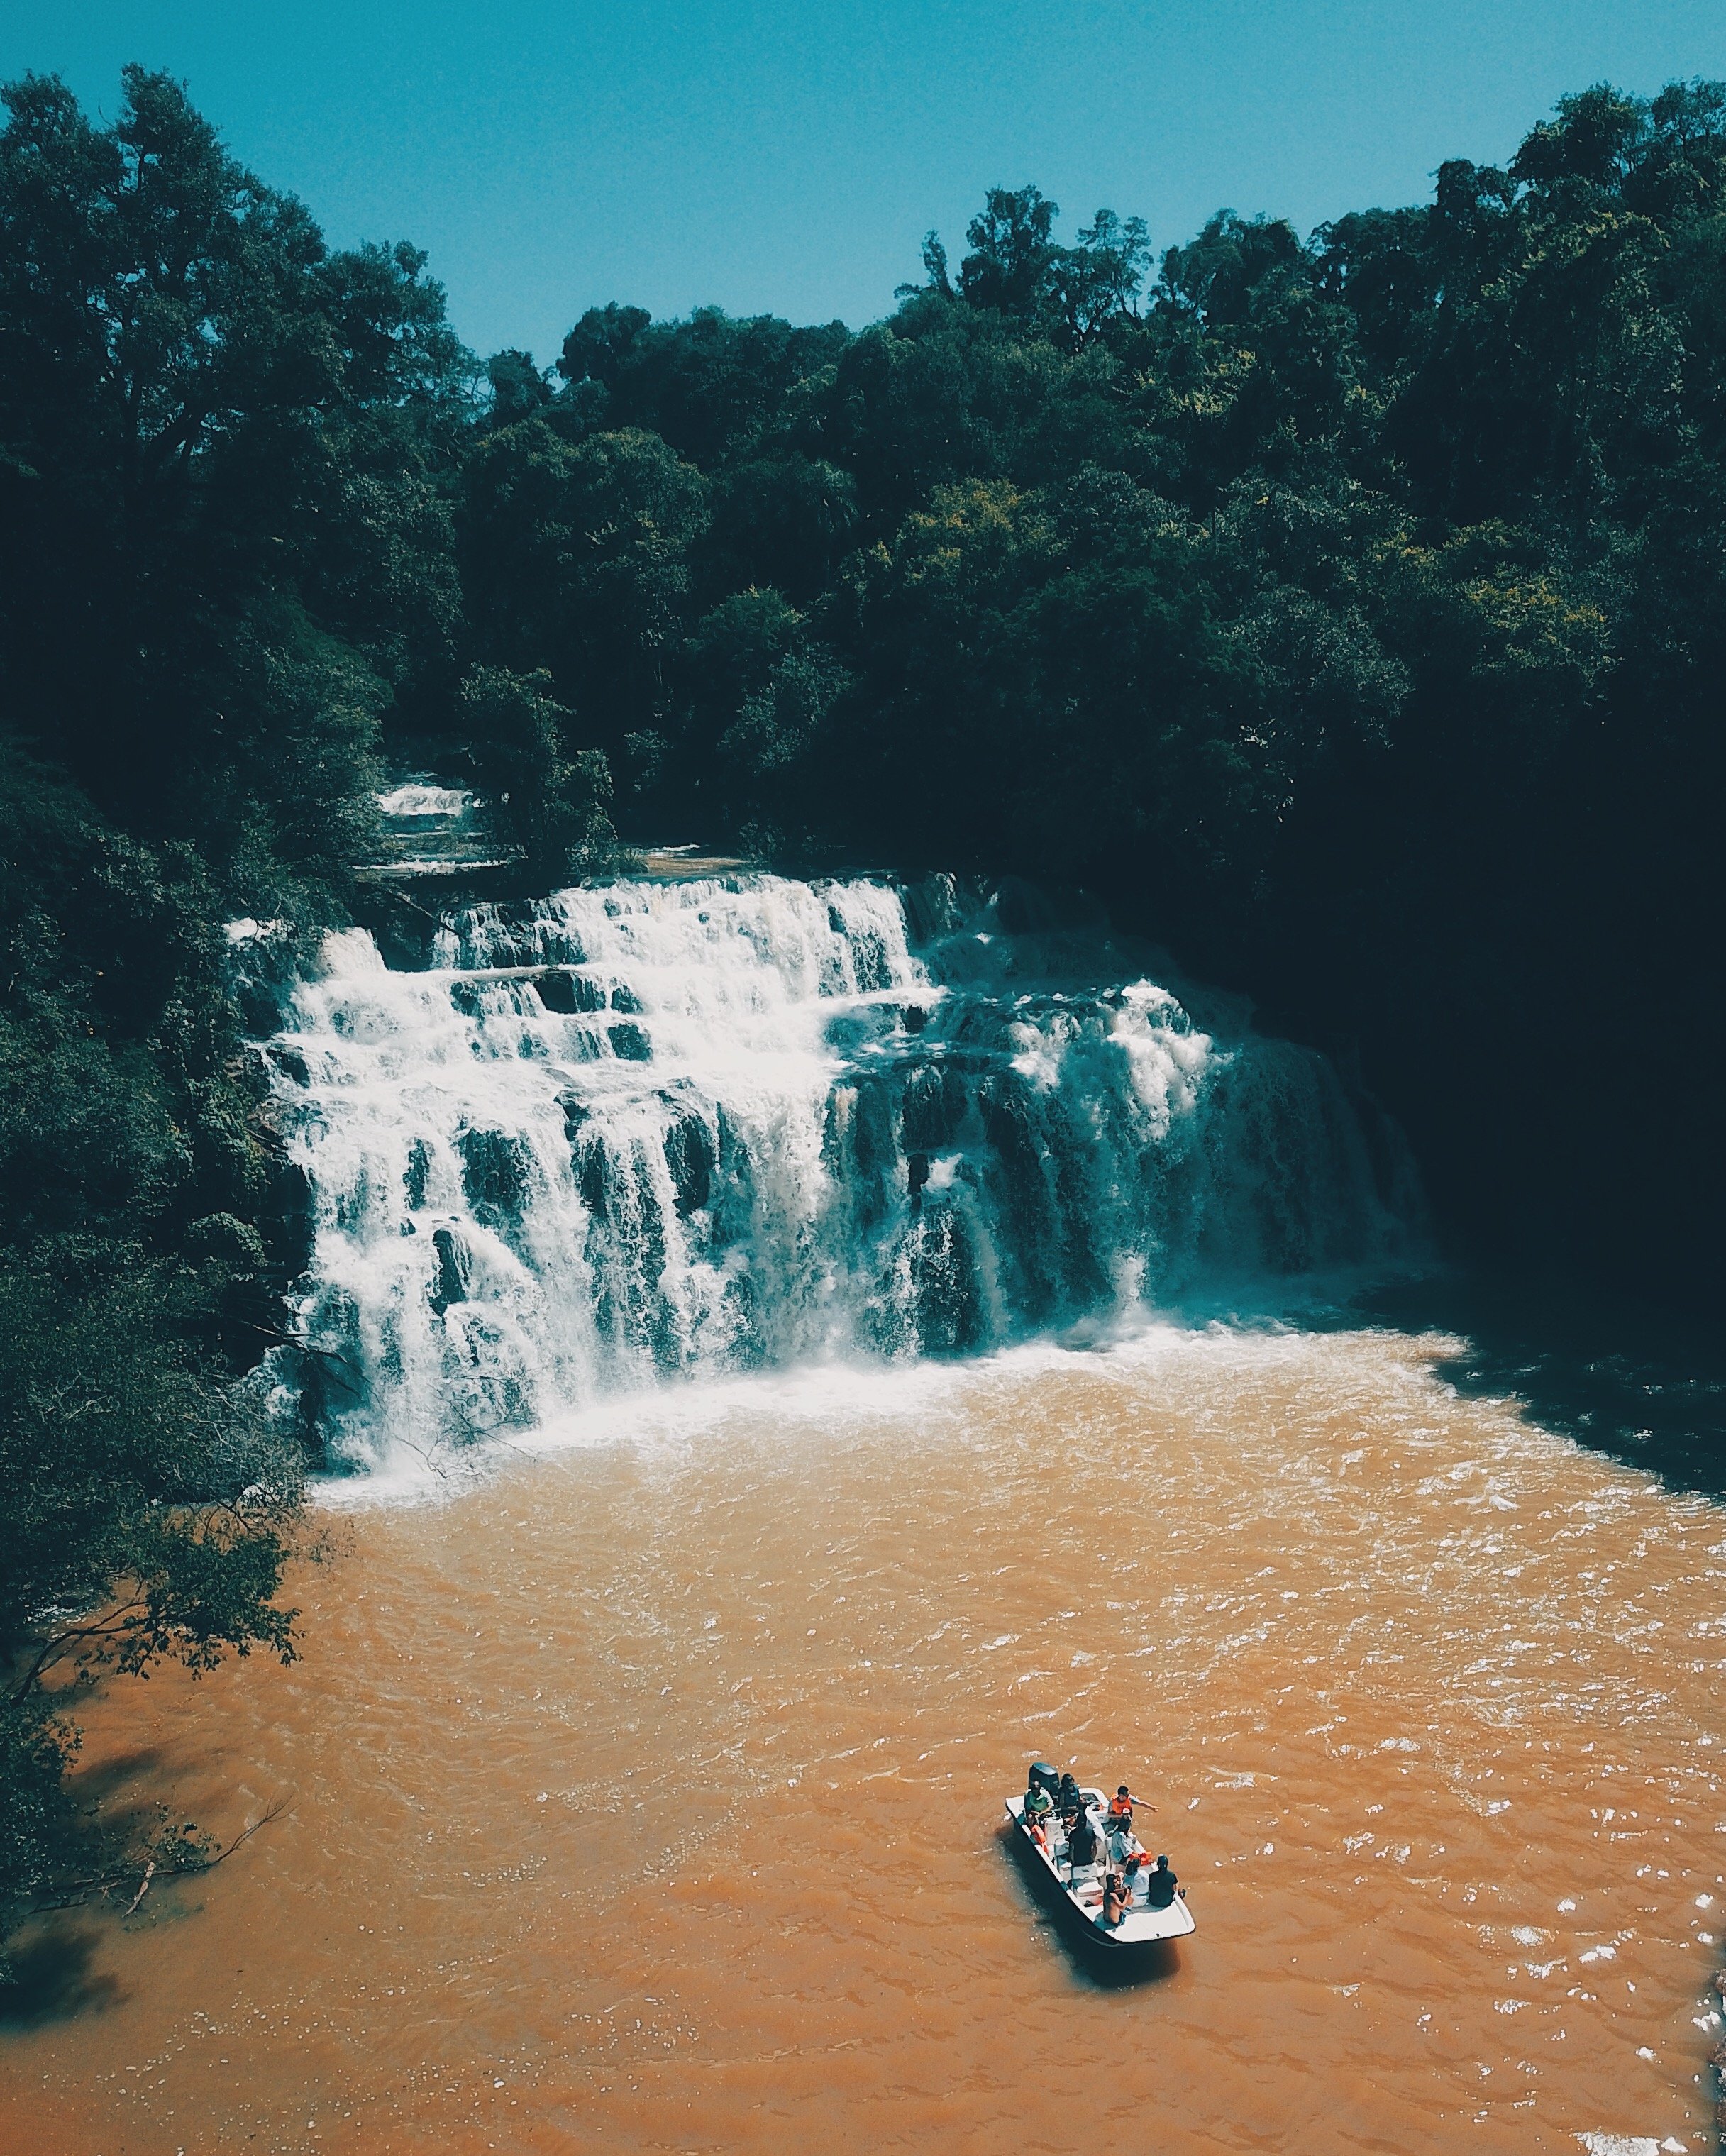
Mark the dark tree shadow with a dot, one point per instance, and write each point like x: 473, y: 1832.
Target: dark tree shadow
x: 1631, y: 1380
x: 101, y: 1784
x: 54, y: 1978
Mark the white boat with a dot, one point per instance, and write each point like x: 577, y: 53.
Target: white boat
x: 1077, y: 1895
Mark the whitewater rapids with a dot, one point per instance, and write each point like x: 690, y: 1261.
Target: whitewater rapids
x: 660, y: 1130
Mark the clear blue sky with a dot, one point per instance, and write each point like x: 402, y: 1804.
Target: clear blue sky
x: 789, y: 158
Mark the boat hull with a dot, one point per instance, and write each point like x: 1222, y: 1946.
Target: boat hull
x: 1143, y: 1945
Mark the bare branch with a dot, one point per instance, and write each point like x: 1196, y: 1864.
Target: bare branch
x: 222, y: 1855
x: 143, y: 1887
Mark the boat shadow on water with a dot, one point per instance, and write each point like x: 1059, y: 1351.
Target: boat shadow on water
x: 1095, y: 1962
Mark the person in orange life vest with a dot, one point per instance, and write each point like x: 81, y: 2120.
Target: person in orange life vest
x: 1121, y: 1806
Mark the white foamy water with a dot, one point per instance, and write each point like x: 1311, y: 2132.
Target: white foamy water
x: 422, y: 801
x: 649, y: 1131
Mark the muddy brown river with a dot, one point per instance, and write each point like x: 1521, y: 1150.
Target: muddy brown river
x: 644, y: 1794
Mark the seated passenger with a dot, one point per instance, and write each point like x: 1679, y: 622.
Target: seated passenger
x: 1038, y: 1803
x: 1067, y: 1797
x: 1164, y: 1886
x: 1114, y: 1901
x: 1121, y: 1806
x: 1084, y: 1845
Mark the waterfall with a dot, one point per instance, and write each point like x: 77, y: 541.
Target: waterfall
x: 627, y: 1134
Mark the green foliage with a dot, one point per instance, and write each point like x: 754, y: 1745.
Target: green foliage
x: 148, y: 1512
x: 709, y: 386
x: 555, y: 797
x: 38, y: 1823
x: 145, y: 1510
x: 148, y: 1515
x: 576, y: 557
x: 763, y: 691
x: 787, y: 521
x: 1073, y: 295
x: 518, y: 388
x: 209, y: 423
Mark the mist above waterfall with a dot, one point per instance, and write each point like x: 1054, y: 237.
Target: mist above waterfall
x: 630, y: 1133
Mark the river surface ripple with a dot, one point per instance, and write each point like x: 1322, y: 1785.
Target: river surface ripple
x: 644, y: 1794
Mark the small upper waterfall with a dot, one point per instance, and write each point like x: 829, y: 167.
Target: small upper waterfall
x: 656, y: 1128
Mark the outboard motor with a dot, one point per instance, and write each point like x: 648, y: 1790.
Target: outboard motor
x: 1043, y: 1776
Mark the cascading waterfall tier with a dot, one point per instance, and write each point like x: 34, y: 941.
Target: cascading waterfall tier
x: 650, y: 1130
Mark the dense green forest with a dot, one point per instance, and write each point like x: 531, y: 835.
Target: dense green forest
x: 1348, y: 612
